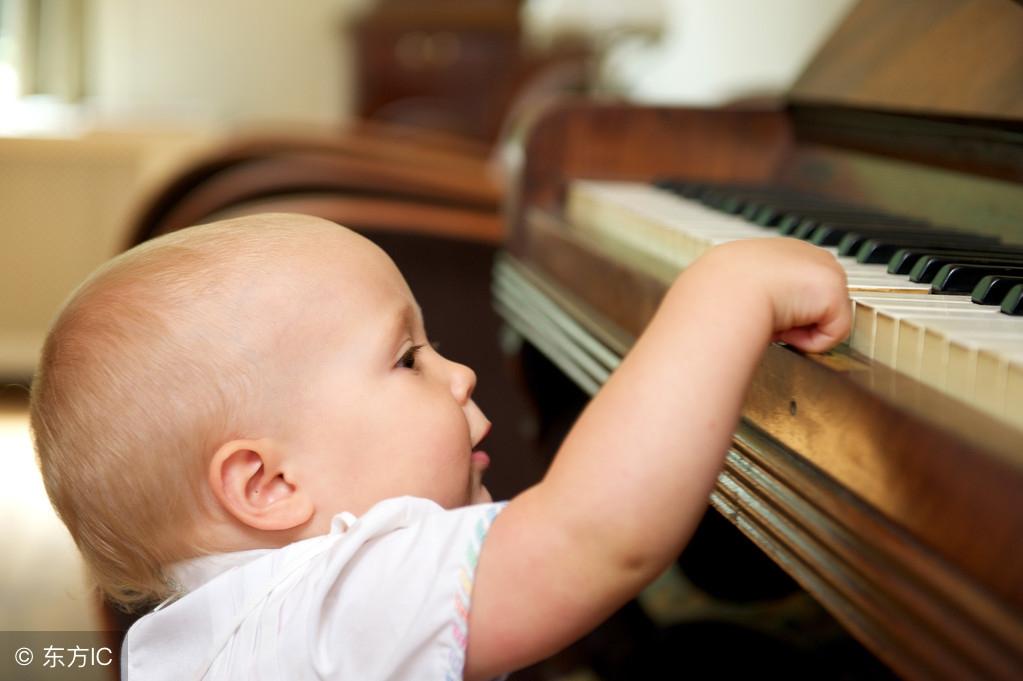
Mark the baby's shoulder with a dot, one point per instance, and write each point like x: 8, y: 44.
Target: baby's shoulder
x: 407, y: 527
x: 402, y: 571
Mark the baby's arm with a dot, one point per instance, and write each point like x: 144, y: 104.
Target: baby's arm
x: 632, y: 478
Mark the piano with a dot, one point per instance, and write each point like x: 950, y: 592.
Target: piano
x: 886, y: 476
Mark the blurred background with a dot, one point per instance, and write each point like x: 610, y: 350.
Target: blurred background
x: 121, y: 119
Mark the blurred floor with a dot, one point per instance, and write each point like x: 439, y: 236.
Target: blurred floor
x: 41, y: 579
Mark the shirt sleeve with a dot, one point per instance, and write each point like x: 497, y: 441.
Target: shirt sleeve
x: 398, y: 607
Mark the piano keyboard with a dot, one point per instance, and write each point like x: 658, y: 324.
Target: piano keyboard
x: 971, y: 351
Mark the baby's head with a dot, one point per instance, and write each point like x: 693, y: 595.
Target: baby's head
x: 235, y: 386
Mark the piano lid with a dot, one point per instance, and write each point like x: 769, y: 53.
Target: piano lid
x: 960, y: 58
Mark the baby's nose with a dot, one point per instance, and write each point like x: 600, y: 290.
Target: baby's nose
x: 463, y: 382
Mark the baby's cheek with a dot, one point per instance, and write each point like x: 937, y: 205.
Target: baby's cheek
x: 452, y: 429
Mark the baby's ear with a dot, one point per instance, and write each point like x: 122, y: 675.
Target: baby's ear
x: 251, y: 481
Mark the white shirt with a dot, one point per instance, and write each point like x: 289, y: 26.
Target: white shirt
x: 384, y: 596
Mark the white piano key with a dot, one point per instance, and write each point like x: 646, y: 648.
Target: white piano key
x: 936, y: 300
x: 695, y: 228
x: 1014, y: 389
x: 875, y: 319
x: 990, y: 378
x: 970, y: 351
x: 951, y: 344
x: 971, y: 377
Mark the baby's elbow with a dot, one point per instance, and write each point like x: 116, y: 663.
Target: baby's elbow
x: 640, y: 565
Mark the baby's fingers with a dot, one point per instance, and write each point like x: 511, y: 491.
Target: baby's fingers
x: 807, y: 339
x: 822, y: 336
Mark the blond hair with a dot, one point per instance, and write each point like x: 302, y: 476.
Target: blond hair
x: 147, y: 368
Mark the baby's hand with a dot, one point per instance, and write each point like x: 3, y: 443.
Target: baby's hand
x: 804, y: 284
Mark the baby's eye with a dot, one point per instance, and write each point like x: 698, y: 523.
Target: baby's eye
x: 408, y: 360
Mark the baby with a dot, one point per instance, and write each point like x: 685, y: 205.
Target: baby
x: 246, y: 422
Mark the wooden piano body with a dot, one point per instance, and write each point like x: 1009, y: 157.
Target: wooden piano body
x: 898, y: 507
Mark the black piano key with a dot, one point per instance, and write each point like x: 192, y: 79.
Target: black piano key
x: 789, y: 223
x: 745, y: 205
x: 961, y: 279
x: 748, y: 204
x: 679, y: 187
x: 765, y: 215
x: 828, y: 232
x: 1013, y: 303
x: 831, y: 232
x: 805, y: 229
x: 696, y: 190
x: 865, y: 220
x: 873, y: 236
x: 750, y: 208
x: 849, y: 238
x: 858, y: 217
x: 927, y: 267
x: 769, y: 206
x: 881, y: 250
x: 992, y: 289
x: 904, y: 259
x: 725, y: 198
x: 720, y: 199
x: 852, y: 242
x: 824, y: 211
x: 686, y: 189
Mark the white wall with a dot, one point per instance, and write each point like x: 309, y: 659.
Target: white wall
x: 713, y: 51
x: 64, y: 208
x: 241, y: 61
x: 220, y: 61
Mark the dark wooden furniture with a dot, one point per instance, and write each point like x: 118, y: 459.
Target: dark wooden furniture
x: 899, y: 508
x: 453, y: 65
x: 369, y: 176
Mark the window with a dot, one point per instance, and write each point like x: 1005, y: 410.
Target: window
x: 10, y: 85
x: 41, y: 63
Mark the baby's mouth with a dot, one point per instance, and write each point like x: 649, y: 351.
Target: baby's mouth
x: 480, y: 460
